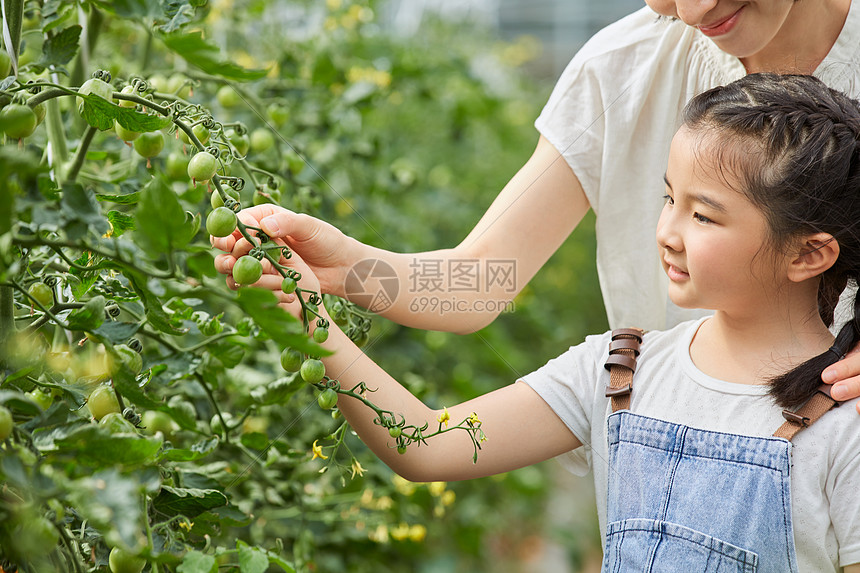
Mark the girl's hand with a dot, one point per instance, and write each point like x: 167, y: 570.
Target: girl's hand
x: 323, y: 248
x: 845, y: 377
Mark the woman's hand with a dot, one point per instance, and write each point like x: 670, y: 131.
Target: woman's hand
x: 323, y: 248
x: 845, y: 377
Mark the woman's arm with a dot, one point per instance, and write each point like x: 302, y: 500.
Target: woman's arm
x: 526, y: 223
x: 855, y: 568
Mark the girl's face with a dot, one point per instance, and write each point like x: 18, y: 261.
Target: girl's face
x: 713, y: 242
x: 740, y: 28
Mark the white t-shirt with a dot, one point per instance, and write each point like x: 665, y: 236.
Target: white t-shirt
x: 825, y: 480
x: 612, y: 116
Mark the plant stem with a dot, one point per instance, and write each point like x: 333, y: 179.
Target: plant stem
x: 7, y: 319
x: 13, y: 19
x: 81, y: 154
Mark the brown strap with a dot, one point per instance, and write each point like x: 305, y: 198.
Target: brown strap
x: 623, y: 351
x: 820, y: 403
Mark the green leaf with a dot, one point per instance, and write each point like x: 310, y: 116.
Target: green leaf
x: 90, y: 316
x: 135, y: 9
x: 100, y: 113
x: 58, y: 50
x: 251, y: 559
x: 120, y: 222
x: 282, y: 327
x: 161, y: 222
x: 111, y: 499
x: 197, y: 562
x: 197, y: 52
x: 94, y: 444
x: 117, y: 332
x: 197, y: 451
x: 188, y: 502
x: 13, y: 18
x: 81, y: 212
x: 20, y: 402
x: 229, y: 354
x: 278, y: 392
x: 255, y: 440
x: 124, y: 199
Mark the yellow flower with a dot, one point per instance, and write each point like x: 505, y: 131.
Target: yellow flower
x: 379, y: 535
x: 436, y: 488
x: 448, y: 497
x: 444, y: 417
x: 403, y: 486
x: 186, y: 525
x: 317, y: 451
x: 417, y: 533
x: 473, y: 419
x: 400, y: 532
x: 356, y: 468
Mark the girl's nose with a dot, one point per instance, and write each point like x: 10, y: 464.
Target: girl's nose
x: 667, y: 235
x: 695, y: 12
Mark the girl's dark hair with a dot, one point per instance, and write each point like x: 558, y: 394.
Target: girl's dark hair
x: 793, y: 146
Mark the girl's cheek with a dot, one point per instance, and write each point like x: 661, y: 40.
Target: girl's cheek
x: 663, y: 7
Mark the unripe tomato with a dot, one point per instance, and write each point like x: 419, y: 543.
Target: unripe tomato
x: 312, y: 370
x: 35, y: 535
x: 126, y: 134
x: 227, y: 96
x: 401, y: 449
x: 149, y: 144
x: 40, y: 397
x: 114, y: 423
x: 289, y: 285
x: 176, y: 165
x: 176, y: 84
x: 158, y: 82
x: 129, y: 357
x: 215, y: 198
x: 202, y: 166
x: 240, y: 142
x: 40, y: 110
x: 6, y: 423
x: 222, y: 222
x: 128, y: 90
x: 278, y: 113
x: 42, y: 293
x: 395, y: 432
x: 18, y: 121
x: 156, y: 421
x: 327, y: 399
x: 102, y: 402
x: 200, y: 131
x: 262, y: 140
x: 291, y: 360
x: 320, y: 335
x: 97, y: 87
x: 247, y: 270
x: 121, y: 561
x: 5, y: 63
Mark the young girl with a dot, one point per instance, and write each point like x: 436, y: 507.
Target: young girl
x: 761, y: 224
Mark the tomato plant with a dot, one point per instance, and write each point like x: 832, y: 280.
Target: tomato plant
x: 204, y: 455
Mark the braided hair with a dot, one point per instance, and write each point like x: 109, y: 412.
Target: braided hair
x: 792, y: 145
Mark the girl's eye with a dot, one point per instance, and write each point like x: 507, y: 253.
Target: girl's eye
x: 701, y: 218
x: 668, y: 199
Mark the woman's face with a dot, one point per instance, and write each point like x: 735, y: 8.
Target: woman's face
x: 742, y: 28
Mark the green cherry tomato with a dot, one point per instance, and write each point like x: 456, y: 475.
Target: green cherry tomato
x: 227, y: 96
x: 154, y: 421
x: 131, y: 359
x: 221, y: 222
x: 401, y: 449
x: 360, y: 339
x: 289, y: 285
x: 121, y: 561
x: 125, y: 134
x: 176, y: 165
x: 320, y: 335
x: 102, y: 402
x: 6, y: 423
x: 158, y: 82
x: 291, y: 360
x: 36, y: 535
x: 18, y: 121
x: 95, y: 86
x: 40, y: 110
x: 312, y: 370
x: 278, y: 113
x: 42, y: 293
x: 215, y: 198
x: 114, y: 423
x: 247, y: 271
x: 240, y: 142
x: 395, y: 432
x: 149, y: 144
x: 262, y: 140
x: 40, y: 397
x: 327, y: 399
x: 127, y: 90
x: 202, y: 166
x: 177, y: 84
x: 5, y: 63
x: 200, y: 132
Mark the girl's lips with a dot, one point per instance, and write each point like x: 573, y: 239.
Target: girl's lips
x: 675, y: 274
x: 722, y: 26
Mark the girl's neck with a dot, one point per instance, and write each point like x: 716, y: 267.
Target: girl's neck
x: 808, y: 35
x: 752, y: 348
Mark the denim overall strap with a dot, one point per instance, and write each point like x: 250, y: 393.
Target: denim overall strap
x: 686, y: 500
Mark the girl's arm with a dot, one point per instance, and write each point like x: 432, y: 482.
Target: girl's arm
x: 852, y: 568
x: 521, y: 429
x: 526, y: 223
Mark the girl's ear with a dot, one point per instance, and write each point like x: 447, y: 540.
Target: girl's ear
x: 818, y: 253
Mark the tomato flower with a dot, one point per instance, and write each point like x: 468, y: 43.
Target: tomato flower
x: 444, y: 417
x: 317, y: 451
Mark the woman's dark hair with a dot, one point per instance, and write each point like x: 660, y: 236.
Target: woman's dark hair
x: 792, y: 145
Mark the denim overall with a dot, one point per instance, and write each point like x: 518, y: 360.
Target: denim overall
x: 685, y: 500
